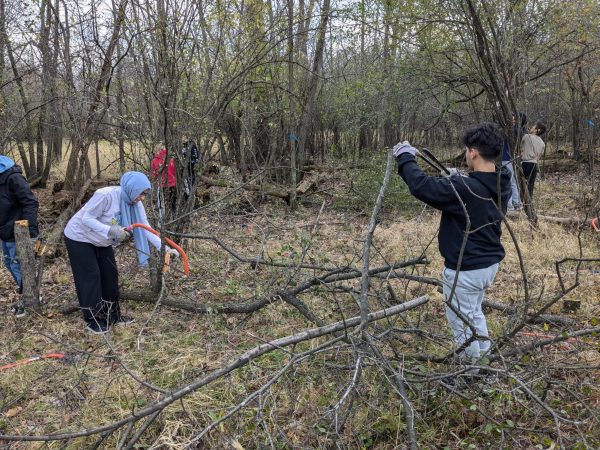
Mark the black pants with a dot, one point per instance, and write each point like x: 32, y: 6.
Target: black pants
x: 530, y: 171
x: 96, y: 280
x: 173, y: 198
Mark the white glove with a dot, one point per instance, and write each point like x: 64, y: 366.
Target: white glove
x: 453, y: 171
x: 172, y: 252
x: 117, y: 233
x: 404, y: 147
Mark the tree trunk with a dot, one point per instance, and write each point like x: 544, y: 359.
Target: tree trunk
x: 98, y: 169
x: 2, y: 41
x: 28, y: 160
x: 499, y: 88
x: 308, y: 111
x: 54, y: 128
x: 292, y: 116
x: 120, y: 112
x: 30, y: 295
x: 56, y: 132
x: 76, y: 173
x: 44, y: 46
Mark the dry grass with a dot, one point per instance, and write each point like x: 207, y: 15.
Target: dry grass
x: 137, y: 157
x: 90, y: 387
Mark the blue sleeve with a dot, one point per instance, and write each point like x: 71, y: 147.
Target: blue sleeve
x: 506, y: 151
x: 435, y: 191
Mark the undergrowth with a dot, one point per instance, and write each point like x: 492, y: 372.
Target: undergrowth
x: 170, y: 348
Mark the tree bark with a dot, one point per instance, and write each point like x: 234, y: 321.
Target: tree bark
x: 75, y: 173
x: 292, y: 116
x: 313, y: 84
x: 30, y: 294
x: 27, y: 159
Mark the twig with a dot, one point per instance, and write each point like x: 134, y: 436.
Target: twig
x: 351, y: 387
x: 241, y: 361
x: 364, y: 282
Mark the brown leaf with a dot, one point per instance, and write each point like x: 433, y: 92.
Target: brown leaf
x: 12, y: 412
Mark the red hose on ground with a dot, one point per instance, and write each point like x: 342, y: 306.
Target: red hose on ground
x: 184, y: 258
x: 32, y: 359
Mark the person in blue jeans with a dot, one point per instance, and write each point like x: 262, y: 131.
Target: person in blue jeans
x: 471, y: 251
x: 515, y: 199
x: 17, y: 202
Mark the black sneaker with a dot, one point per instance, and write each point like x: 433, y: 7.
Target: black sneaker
x: 18, y: 309
x: 451, y: 382
x: 96, y: 328
x: 123, y: 320
x: 458, y: 382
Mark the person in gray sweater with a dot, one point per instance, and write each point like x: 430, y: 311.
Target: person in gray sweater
x: 532, y: 149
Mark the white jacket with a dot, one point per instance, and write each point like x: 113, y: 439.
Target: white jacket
x: 91, y: 223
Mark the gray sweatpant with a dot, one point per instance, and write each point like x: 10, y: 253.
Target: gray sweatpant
x: 467, y: 298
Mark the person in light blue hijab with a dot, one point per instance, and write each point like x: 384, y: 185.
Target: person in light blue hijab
x: 90, y: 236
x: 134, y: 185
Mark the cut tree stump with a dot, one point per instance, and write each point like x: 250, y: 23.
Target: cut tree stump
x: 30, y: 296
x: 558, y: 165
x: 571, y: 306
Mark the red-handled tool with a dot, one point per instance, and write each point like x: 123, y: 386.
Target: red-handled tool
x: 32, y: 359
x: 184, y: 258
x: 595, y: 225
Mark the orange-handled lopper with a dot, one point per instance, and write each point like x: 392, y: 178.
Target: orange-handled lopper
x: 32, y: 359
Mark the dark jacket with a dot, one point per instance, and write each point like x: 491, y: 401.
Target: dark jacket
x: 506, y: 156
x: 17, y: 202
x: 479, y: 193
x: 194, y: 156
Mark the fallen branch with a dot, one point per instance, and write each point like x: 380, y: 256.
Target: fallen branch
x: 253, y: 305
x: 343, y: 274
x: 55, y: 235
x: 216, y: 374
x: 566, y: 220
x: 268, y: 190
x: 253, y: 261
x: 543, y: 343
x: 542, y: 318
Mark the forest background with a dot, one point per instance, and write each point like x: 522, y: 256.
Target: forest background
x: 297, y: 221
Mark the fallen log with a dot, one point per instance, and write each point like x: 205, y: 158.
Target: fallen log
x: 55, y: 235
x: 566, y: 220
x: 558, y: 165
x: 268, y: 190
x: 541, y: 319
x: 253, y: 305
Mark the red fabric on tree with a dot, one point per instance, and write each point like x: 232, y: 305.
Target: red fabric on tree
x: 166, y: 179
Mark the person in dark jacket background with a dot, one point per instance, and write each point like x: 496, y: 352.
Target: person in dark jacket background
x: 17, y: 202
x: 190, y: 159
x: 484, y: 194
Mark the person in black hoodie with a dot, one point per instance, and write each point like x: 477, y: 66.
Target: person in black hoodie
x: 471, y: 248
x: 17, y: 202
